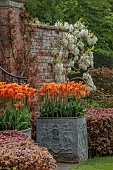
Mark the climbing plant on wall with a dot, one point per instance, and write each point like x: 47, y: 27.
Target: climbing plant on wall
x: 75, y: 51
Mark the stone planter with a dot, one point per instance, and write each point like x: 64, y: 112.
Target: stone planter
x: 65, y: 138
x: 27, y: 132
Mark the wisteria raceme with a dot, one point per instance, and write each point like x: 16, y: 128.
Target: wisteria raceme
x: 78, y: 42
x: 87, y: 77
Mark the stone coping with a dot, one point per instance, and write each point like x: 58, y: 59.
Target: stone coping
x: 12, y: 3
x: 48, y: 27
x: 22, y: 1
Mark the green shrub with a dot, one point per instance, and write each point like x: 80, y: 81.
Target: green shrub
x: 100, y: 131
x: 100, y: 99
x: 103, y: 78
x: 103, y: 58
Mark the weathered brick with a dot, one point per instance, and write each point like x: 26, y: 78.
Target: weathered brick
x: 38, y: 43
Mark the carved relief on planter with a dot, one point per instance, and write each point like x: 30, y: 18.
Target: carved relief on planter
x: 82, y: 140
x: 65, y: 138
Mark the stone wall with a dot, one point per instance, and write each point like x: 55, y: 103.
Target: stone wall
x: 42, y: 39
x: 27, y: 47
x: 36, y: 40
x: 11, y: 36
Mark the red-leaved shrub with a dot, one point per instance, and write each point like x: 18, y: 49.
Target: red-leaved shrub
x: 100, y: 131
x: 19, y: 152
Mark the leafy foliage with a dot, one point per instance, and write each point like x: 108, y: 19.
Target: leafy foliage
x: 100, y: 99
x: 97, y: 15
x: 14, y: 108
x: 19, y: 152
x: 12, y: 118
x: 100, y: 131
x: 63, y: 100
x: 111, y: 2
x: 71, y: 108
x: 103, y: 58
x: 103, y: 78
x: 52, y: 10
x: 74, y: 53
x: 103, y: 96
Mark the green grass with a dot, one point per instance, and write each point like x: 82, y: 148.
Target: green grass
x: 102, y: 163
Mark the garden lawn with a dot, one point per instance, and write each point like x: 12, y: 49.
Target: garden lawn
x: 102, y: 163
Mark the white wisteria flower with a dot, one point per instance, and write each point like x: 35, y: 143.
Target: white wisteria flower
x: 91, y: 40
x: 65, y: 42
x: 89, y: 82
x: 66, y: 25
x: 71, y: 27
x: 76, y: 58
x: 84, y: 32
x: 80, y: 44
x: 71, y: 63
x: 58, y: 24
x: 59, y: 68
x: 75, y: 49
x: 60, y: 54
x: 69, y: 69
x: 79, y: 25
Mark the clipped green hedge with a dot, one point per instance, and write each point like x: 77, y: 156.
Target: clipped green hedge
x: 103, y: 79
x: 103, y: 58
x: 100, y: 131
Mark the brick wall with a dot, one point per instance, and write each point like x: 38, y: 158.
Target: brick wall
x: 29, y: 45
x: 36, y: 41
x: 11, y: 38
x: 42, y: 39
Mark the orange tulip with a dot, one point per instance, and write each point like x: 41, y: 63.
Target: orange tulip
x: 13, y: 91
x: 65, y: 89
x: 29, y: 101
x: 17, y: 104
